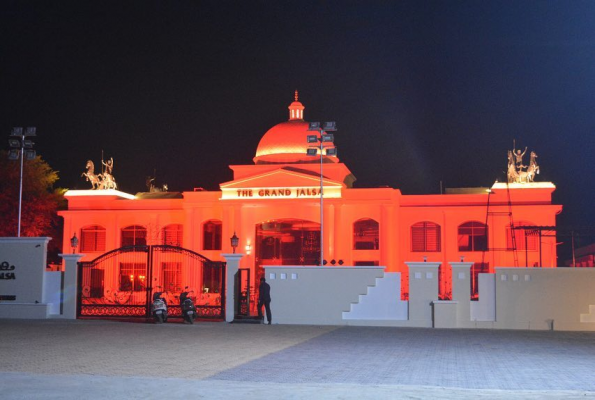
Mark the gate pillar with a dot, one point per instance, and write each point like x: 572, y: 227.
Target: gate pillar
x: 233, y: 263
x: 69, y: 296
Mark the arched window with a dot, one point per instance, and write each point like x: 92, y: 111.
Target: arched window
x: 365, y: 234
x: 134, y: 235
x: 425, y: 236
x: 473, y: 236
x: 172, y: 235
x: 522, y: 237
x: 92, y: 238
x: 211, y: 235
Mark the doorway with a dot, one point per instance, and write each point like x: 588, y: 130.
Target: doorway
x: 286, y: 242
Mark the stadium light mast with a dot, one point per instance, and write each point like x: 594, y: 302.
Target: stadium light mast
x: 323, y: 141
x: 21, y: 147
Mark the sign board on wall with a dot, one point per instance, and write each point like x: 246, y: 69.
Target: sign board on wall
x: 280, y: 193
x: 22, y: 267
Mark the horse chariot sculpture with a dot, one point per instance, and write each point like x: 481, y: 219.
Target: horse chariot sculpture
x: 519, y: 173
x: 104, y: 180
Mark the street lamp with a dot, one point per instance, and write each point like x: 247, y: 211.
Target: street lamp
x: 234, y: 242
x: 323, y: 141
x: 21, y: 147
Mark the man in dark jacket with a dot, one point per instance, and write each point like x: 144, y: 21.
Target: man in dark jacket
x: 264, y: 298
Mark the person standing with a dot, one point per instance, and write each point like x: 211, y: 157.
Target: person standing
x: 264, y: 299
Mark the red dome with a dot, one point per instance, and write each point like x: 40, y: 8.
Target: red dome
x: 287, y: 142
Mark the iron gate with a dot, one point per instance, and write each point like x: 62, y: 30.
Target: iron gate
x: 121, y: 283
x: 242, y: 293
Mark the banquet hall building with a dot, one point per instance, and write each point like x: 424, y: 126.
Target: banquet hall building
x: 273, y: 205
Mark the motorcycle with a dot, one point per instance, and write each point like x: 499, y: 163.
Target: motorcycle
x: 187, y: 305
x: 159, y: 308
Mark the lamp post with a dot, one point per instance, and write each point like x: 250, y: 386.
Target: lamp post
x: 234, y: 242
x: 323, y: 141
x: 18, y: 143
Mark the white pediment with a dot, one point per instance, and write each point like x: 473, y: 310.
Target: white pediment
x: 280, y: 178
x: 279, y: 184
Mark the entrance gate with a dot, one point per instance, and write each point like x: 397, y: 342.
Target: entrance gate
x: 121, y: 283
x: 243, y: 299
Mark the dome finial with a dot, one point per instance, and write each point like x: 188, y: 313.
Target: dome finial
x: 296, y: 109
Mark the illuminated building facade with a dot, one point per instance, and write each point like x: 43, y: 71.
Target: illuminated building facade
x: 273, y: 205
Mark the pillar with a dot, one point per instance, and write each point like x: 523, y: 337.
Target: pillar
x: 70, y: 289
x: 423, y: 291
x: 233, y: 263
x: 461, y: 290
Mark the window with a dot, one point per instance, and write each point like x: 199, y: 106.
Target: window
x: 93, y: 238
x: 365, y: 234
x: 134, y: 235
x: 172, y: 276
x: 172, y: 235
x: 522, y: 237
x: 211, y: 235
x: 425, y: 236
x: 212, y: 277
x: 473, y: 236
x: 133, y: 277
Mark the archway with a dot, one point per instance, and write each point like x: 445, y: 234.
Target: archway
x: 286, y: 242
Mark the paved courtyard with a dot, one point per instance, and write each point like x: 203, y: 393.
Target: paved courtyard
x: 58, y: 359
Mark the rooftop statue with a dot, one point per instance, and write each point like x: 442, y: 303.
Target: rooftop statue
x: 150, y: 182
x: 104, y: 180
x: 90, y: 175
x: 515, y: 167
x: 108, y: 181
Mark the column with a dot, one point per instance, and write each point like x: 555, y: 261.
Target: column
x: 233, y: 263
x: 423, y: 291
x: 461, y: 290
x: 70, y: 289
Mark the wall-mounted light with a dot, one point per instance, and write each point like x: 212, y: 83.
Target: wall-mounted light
x: 234, y: 241
x: 425, y: 259
x: 462, y: 258
x: 74, y: 243
x: 248, y: 249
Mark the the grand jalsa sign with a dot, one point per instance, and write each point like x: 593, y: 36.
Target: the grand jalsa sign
x: 280, y: 193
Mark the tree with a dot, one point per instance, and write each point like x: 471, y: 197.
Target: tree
x: 40, y: 200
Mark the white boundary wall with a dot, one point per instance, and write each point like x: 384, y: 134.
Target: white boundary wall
x: 513, y: 298
x: 317, y: 295
x: 548, y: 298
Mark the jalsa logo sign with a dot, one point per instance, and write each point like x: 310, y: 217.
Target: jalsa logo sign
x: 5, y: 266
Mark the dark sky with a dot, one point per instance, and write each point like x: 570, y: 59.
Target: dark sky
x: 421, y: 91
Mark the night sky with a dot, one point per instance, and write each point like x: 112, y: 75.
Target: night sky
x: 422, y: 92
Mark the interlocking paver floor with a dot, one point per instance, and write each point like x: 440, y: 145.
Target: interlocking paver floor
x: 103, y: 359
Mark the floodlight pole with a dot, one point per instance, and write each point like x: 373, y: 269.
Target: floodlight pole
x: 321, y: 138
x: 321, y: 206
x: 22, y: 155
x: 22, y: 143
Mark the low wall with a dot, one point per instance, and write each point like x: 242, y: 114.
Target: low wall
x: 548, y: 298
x: 317, y: 295
x: 513, y: 298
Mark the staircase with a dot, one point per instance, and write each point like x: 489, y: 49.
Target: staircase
x: 381, y: 302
